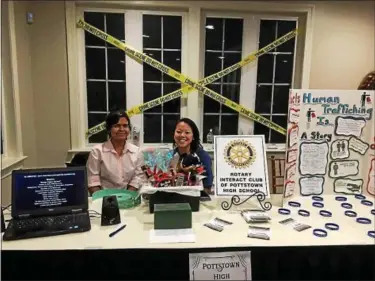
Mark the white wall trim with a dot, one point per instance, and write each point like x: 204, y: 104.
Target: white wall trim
x: 307, y: 54
x: 8, y: 164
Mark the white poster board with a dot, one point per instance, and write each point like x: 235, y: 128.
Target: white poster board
x: 240, y: 165
x: 220, y: 266
x: 330, y: 143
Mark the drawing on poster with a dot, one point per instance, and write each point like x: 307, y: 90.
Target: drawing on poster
x: 349, y: 126
x: 370, y: 187
x: 358, y: 145
x: 340, y: 149
x: 294, y: 115
x: 292, y: 155
x: 311, y: 185
x: 313, y: 158
x: 291, y: 171
x: 293, y: 135
x: 289, y: 188
x: 347, y: 186
x: 343, y: 168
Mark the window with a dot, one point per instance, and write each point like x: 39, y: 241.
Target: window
x: 161, y: 41
x: 105, y: 70
x: 223, y: 48
x: 274, y: 78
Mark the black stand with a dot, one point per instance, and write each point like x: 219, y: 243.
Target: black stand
x: 236, y: 200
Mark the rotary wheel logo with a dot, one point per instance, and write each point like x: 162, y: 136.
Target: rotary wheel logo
x: 239, y: 154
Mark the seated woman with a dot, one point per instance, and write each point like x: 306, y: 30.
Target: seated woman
x: 188, y: 146
x: 115, y: 163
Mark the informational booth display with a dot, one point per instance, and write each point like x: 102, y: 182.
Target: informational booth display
x: 330, y: 143
x: 241, y: 167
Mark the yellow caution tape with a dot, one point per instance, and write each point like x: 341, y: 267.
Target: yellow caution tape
x: 133, y: 53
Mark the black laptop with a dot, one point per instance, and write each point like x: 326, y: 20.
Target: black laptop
x: 48, y: 202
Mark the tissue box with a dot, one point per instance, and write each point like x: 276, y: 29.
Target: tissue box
x: 172, y: 216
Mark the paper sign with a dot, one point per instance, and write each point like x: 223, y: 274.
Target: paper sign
x: 340, y: 149
x: 343, y: 168
x: 348, y: 186
x: 294, y: 115
x: 291, y: 171
x: 289, y: 188
x: 349, y: 126
x: 358, y: 145
x: 292, y: 155
x: 220, y: 266
x: 293, y: 135
x: 311, y: 185
x: 313, y: 158
x: 371, y: 178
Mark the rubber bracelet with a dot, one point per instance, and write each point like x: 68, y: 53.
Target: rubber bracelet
x: 332, y: 226
x: 351, y: 214
x: 341, y: 198
x: 304, y: 213
x: 317, y: 198
x: 320, y: 232
x: 359, y: 196
x: 371, y: 233
x: 294, y: 204
x: 346, y: 205
x: 367, y: 202
x: 318, y: 204
x: 284, y: 211
x: 363, y: 220
x: 373, y: 212
x: 324, y: 213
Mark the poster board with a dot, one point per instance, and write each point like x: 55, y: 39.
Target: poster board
x: 240, y: 165
x: 330, y: 143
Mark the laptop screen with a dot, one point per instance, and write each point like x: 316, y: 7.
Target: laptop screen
x: 49, y: 191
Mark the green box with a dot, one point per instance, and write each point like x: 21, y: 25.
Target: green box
x: 172, y: 216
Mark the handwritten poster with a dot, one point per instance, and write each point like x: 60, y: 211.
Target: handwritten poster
x: 329, y: 143
x: 240, y: 165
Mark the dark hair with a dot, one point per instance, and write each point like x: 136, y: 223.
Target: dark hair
x: 113, y: 117
x: 196, y: 142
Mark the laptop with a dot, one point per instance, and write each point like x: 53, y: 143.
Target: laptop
x: 48, y: 202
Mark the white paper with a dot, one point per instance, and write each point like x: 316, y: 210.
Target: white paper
x: 291, y: 171
x: 294, y: 115
x: 343, y: 168
x: 172, y: 236
x: 358, y: 145
x: 295, y: 224
x: 293, y: 136
x: 292, y: 155
x: 290, y: 187
x: 348, y: 186
x: 370, y: 186
x: 311, y: 185
x: 220, y: 266
x: 259, y: 232
x: 313, y: 158
x: 349, y: 126
x: 340, y: 149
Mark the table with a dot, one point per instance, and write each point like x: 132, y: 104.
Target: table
x: 344, y: 254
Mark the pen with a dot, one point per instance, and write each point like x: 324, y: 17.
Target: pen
x: 117, y: 231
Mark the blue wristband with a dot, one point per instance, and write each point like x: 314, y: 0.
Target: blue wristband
x: 320, y: 232
x: 294, y: 204
x: 284, y: 211
x: 324, y: 213
x: 367, y: 202
x: 373, y: 212
x: 351, y: 214
x: 332, y: 226
x: 317, y: 198
x: 318, y: 204
x: 346, y: 205
x: 363, y: 220
x: 341, y: 198
x: 360, y: 196
x: 304, y: 213
x: 371, y: 233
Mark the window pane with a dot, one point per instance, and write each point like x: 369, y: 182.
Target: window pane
x: 116, y: 95
x: 169, y: 123
x: 96, y: 96
x: 172, y: 28
x: 214, y: 34
x: 212, y: 63
x: 150, y: 73
x: 172, y: 106
x: 93, y: 120
x: 267, y: 33
x: 210, y: 105
x: 210, y: 122
x: 275, y: 136
x: 95, y: 63
x: 263, y: 99
x: 283, y: 27
x: 231, y: 92
x: 284, y: 69
x: 173, y: 60
x: 229, y: 60
x: 97, y: 20
x: 265, y: 68
x: 152, y: 91
x: 115, y: 24
x: 116, y: 64
x: 152, y: 128
x: 281, y: 99
x: 151, y: 31
x: 259, y: 129
x: 233, y: 34
x: 229, y: 124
